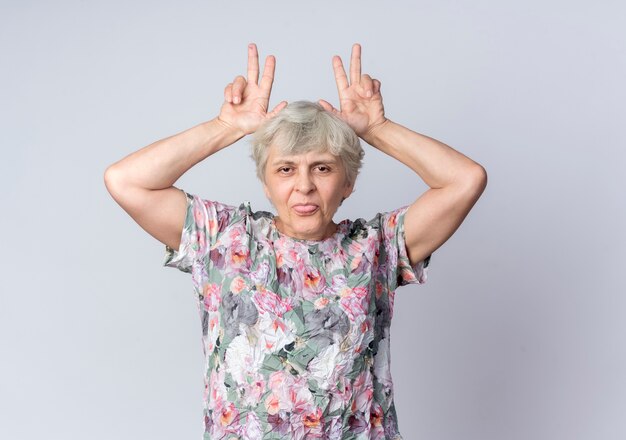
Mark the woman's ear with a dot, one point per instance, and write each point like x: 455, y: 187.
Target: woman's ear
x: 349, y: 189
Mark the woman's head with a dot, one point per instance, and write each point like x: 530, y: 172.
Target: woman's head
x: 305, y: 126
x: 308, y: 161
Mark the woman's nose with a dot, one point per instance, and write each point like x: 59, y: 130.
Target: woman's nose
x: 304, y: 183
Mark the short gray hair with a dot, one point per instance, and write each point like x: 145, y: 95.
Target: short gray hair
x: 304, y: 126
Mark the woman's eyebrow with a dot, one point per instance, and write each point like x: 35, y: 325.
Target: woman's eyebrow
x: 283, y: 162
x: 324, y: 162
x: 291, y: 162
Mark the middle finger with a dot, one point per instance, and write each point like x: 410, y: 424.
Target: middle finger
x: 355, y: 64
x: 268, y: 73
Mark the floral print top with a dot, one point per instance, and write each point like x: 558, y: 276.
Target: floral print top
x: 295, y: 332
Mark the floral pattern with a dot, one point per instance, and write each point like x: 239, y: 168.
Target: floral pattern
x: 295, y: 332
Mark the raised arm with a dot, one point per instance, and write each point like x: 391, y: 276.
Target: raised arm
x: 142, y: 182
x: 456, y: 182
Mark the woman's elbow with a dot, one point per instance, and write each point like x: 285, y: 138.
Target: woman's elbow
x: 478, y: 178
x: 113, y: 180
x: 473, y: 180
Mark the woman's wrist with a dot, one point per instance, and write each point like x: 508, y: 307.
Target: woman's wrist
x: 229, y: 128
x: 374, y: 134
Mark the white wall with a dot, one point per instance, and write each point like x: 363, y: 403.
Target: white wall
x: 518, y: 333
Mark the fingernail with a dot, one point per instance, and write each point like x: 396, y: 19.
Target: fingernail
x: 236, y: 99
x: 369, y: 93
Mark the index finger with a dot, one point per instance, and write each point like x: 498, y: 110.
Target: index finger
x: 340, y: 74
x: 253, y: 63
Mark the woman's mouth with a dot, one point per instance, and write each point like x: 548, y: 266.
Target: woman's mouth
x: 307, y: 209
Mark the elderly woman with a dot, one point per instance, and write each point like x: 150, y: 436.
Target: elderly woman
x: 295, y: 308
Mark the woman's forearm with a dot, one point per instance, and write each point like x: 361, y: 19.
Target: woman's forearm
x: 435, y: 162
x: 161, y: 163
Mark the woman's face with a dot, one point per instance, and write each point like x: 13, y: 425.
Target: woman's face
x: 306, y: 190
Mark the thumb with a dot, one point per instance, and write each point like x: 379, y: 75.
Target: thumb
x: 281, y: 105
x: 328, y: 107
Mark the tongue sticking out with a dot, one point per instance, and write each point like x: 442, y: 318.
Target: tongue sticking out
x: 305, y: 209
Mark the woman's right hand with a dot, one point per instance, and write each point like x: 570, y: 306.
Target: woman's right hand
x: 246, y: 102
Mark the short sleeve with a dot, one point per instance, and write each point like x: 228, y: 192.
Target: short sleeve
x: 400, y: 272
x: 204, y: 221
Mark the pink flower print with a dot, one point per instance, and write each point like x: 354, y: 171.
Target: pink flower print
x: 321, y: 302
x: 213, y: 330
x: 272, y: 404
x: 280, y: 261
x: 254, y: 391
x: 212, y: 296
x: 356, y: 262
x: 355, y: 248
x: 312, y: 278
x: 217, y: 389
x: 286, y: 253
x: 198, y: 215
x: 313, y: 419
x: 376, y: 415
x: 237, y: 285
x: 229, y: 417
x: 314, y: 283
x: 352, y: 301
x: 273, y: 333
x: 238, y: 254
x: 201, y: 240
x: 300, y: 396
x: 290, y: 257
x: 278, y: 327
x: 267, y: 301
x: 235, y: 234
x: 293, y: 392
x: 407, y: 275
x: 392, y: 221
x: 276, y: 380
x: 212, y: 227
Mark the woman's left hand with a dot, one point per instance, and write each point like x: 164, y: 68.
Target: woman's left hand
x: 360, y: 101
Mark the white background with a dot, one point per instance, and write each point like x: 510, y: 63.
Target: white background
x: 518, y: 333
